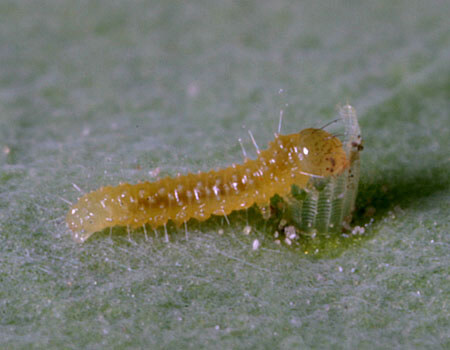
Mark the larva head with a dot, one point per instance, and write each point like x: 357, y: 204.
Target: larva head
x: 321, y: 153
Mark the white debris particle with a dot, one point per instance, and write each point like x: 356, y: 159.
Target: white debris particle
x: 192, y: 89
x: 358, y: 230
x: 287, y: 241
x: 155, y: 172
x: 255, y: 245
x: 290, y: 232
x: 6, y: 150
x: 276, y: 234
x: 296, y: 322
x: 247, y: 230
x: 340, y: 268
x: 277, y: 241
x: 220, y: 231
x: 217, y: 327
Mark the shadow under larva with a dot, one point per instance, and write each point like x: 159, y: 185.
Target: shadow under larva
x: 314, y: 172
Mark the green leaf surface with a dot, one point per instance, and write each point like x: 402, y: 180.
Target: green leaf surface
x: 98, y: 92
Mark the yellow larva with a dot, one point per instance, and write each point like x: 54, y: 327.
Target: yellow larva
x: 289, y: 160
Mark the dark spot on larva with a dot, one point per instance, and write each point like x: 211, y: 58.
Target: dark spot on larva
x: 158, y: 202
x: 333, y: 161
x: 357, y: 145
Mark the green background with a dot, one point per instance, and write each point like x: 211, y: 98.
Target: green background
x: 99, y: 92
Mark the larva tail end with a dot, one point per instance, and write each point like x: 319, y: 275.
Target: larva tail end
x: 83, y: 219
x: 94, y: 212
x: 81, y: 236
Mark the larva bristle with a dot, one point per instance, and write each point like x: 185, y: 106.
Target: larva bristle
x: 294, y: 159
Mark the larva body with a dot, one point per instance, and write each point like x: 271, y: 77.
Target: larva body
x: 289, y: 160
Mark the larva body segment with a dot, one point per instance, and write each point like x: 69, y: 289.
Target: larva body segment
x: 289, y: 160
